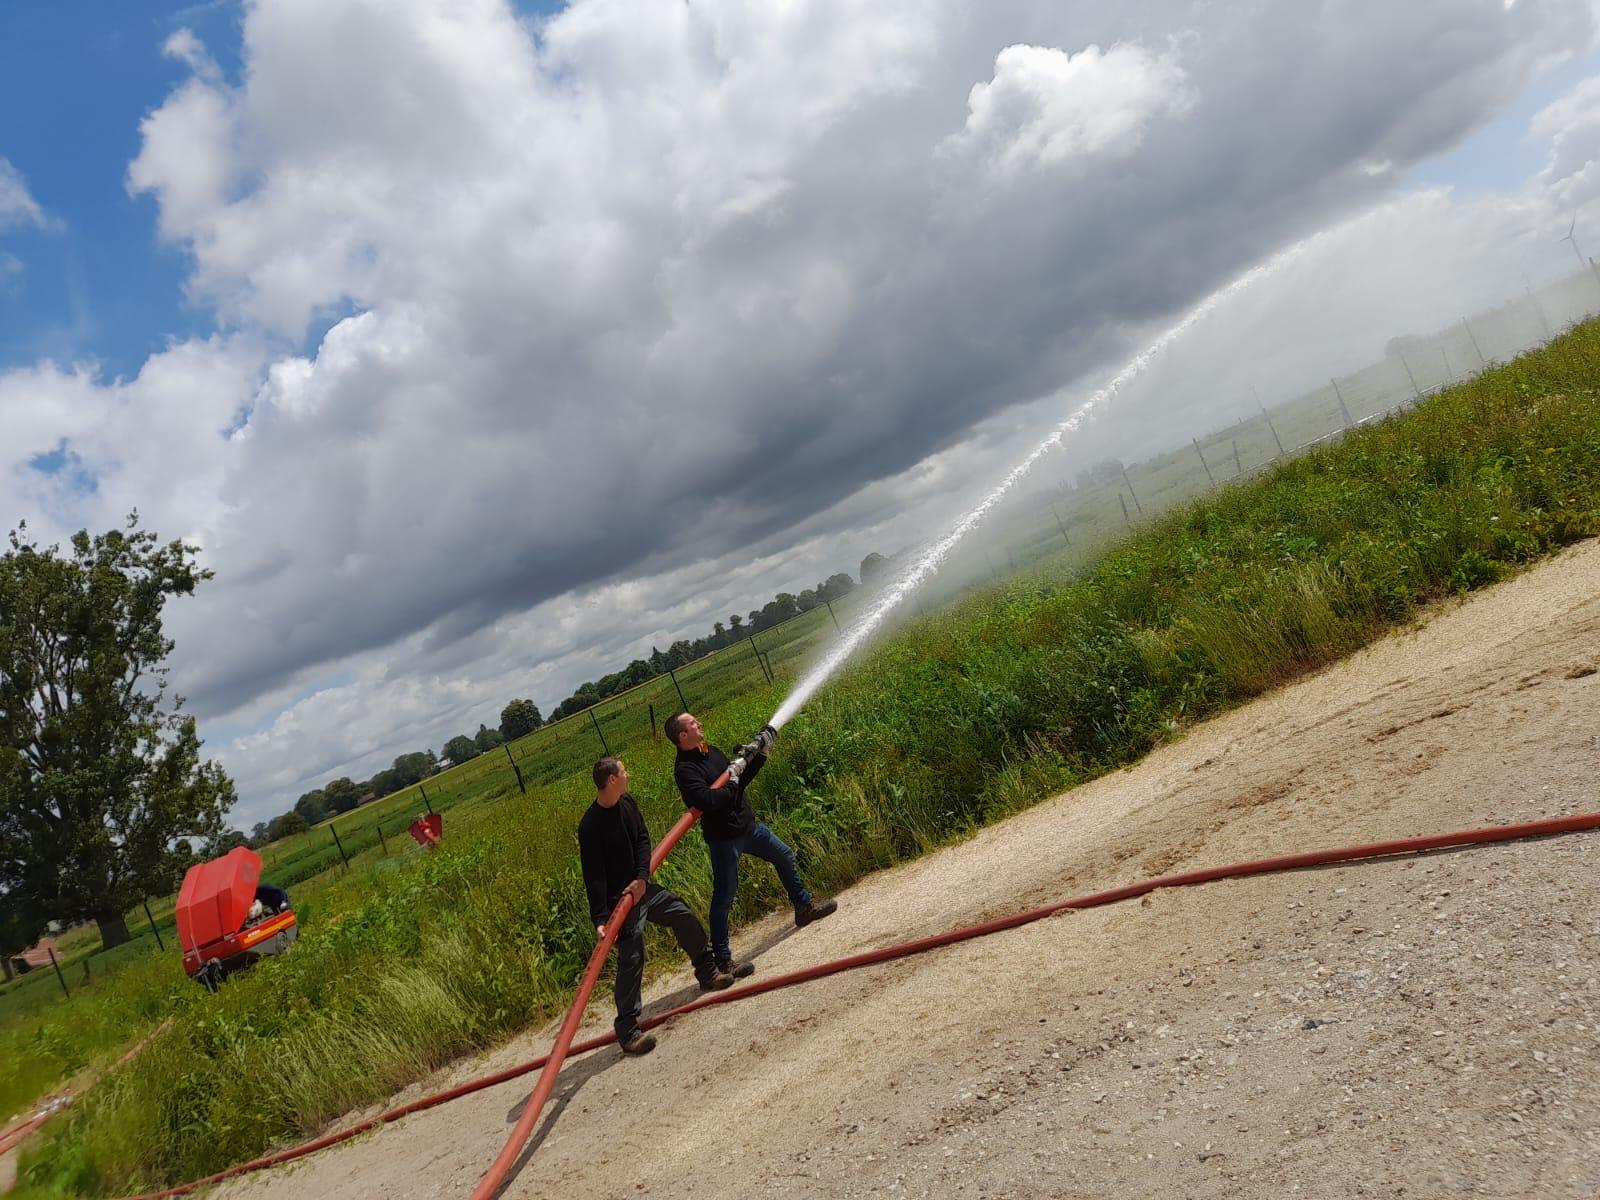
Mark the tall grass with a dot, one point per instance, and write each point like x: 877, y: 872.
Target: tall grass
x: 964, y: 715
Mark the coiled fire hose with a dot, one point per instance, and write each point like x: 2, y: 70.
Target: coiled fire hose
x: 495, y: 1177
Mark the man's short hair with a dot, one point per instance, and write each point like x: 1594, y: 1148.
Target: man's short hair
x: 606, y: 769
x: 674, y: 727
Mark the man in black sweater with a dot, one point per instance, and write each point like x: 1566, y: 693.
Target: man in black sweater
x: 731, y: 830
x: 614, y: 846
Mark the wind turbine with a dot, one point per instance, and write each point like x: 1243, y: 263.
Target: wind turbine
x: 1572, y: 237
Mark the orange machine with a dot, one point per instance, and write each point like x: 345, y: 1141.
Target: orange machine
x: 227, y: 918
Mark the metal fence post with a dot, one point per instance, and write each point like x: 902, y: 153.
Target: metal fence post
x: 60, y: 978
x: 1059, y: 525
x: 597, y: 732
x: 1126, y: 520
x: 679, y: 688
x: 1237, y: 469
x: 1345, y: 412
x: 1139, y: 507
x: 515, y: 770
x: 425, y: 803
x: 339, y: 844
x: 1471, y: 337
x: 1273, y: 429
x: 654, y: 732
x: 145, y: 904
x: 760, y: 662
x: 1415, y: 390
x: 383, y: 841
x: 831, y: 613
x: 1209, y: 476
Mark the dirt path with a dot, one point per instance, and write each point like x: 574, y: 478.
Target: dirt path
x: 1423, y: 1027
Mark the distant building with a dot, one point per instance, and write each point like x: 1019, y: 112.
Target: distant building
x: 36, y: 955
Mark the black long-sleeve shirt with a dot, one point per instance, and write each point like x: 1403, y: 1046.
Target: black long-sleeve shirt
x: 725, y: 813
x: 614, y: 847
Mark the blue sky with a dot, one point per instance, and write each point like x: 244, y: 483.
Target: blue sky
x: 75, y: 81
x: 1501, y: 155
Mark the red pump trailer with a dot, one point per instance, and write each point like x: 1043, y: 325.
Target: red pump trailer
x: 215, y: 927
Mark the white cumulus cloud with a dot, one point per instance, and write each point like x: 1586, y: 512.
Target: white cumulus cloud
x: 17, y: 205
x: 1044, y: 105
x: 1572, y: 127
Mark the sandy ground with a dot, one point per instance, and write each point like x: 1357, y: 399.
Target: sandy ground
x: 1417, y: 1027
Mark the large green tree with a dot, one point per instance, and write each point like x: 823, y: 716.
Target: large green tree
x: 101, y: 782
x: 284, y: 825
x: 312, y: 806
x: 339, y: 796
x: 415, y: 767
x: 518, y: 719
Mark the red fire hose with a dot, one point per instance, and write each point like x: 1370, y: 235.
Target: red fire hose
x: 16, y: 1133
x: 496, y: 1174
x: 498, y: 1171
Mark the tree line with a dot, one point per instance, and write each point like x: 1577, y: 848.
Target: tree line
x: 518, y: 718
x: 776, y: 611
x: 522, y: 717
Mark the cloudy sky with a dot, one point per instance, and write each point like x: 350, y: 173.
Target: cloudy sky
x: 481, y: 345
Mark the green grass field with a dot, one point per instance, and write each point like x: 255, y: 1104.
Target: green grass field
x: 1006, y: 695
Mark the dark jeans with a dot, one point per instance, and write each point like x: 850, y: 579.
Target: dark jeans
x: 659, y: 907
x: 762, y: 843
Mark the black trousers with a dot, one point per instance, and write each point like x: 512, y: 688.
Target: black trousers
x: 659, y: 907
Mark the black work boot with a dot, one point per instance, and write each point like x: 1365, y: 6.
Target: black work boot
x: 638, y: 1042
x: 814, y: 911
x: 736, y: 968
x: 712, y: 977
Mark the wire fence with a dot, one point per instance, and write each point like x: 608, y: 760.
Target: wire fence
x: 1083, y: 521
x: 554, y: 751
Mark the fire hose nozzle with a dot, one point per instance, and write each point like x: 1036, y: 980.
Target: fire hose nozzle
x: 760, y: 745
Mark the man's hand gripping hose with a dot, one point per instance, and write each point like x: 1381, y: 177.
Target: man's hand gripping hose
x: 757, y: 747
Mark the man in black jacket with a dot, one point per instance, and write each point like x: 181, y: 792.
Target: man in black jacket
x: 731, y: 830
x: 614, y: 846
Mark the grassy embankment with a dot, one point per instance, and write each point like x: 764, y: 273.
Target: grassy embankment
x: 967, y: 714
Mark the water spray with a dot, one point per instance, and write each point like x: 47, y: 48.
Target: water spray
x: 914, y: 576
